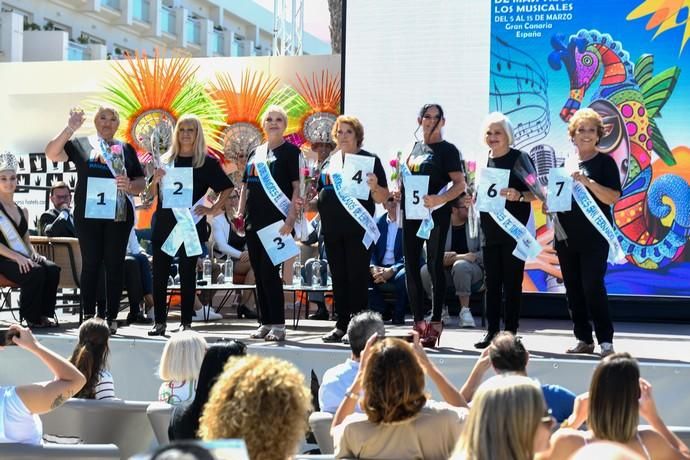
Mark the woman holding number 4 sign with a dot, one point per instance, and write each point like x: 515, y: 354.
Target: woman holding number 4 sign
x: 432, y: 177
x: 179, y: 222
x: 351, y: 181
x: 106, y: 168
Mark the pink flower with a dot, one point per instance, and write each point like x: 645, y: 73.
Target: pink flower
x: 531, y: 179
x: 471, y: 166
x: 116, y: 149
x: 393, y: 162
x: 305, y: 172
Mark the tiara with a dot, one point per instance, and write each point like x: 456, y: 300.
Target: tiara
x: 8, y: 161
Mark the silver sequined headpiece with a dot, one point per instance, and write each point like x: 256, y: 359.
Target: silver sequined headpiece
x: 318, y: 126
x: 8, y: 162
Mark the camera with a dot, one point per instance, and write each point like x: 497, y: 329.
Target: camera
x: 6, y: 337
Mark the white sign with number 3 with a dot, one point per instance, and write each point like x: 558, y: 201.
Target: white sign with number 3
x: 559, y: 193
x: 278, y: 247
x: 415, y: 189
x: 489, y: 185
x: 355, y: 170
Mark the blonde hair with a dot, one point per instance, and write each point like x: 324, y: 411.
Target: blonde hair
x: 584, y: 115
x: 106, y: 108
x: 505, y: 415
x: 261, y: 400
x: 498, y: 118
x: 274, y: 109
x: 199, y: 148
x: 182, y: 357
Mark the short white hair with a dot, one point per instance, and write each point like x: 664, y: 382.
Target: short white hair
x: 274, y: 109
x: 498, y: 118
x: 182, y: 357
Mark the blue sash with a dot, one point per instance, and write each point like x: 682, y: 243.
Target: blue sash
x: 99, y: 144
x: 527, y: 246
x: 184, y: 231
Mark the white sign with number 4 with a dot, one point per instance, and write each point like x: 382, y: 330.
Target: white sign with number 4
x: 415, y: 189
x: 559, y: 193
x: 489, y: 185
x: 355, y: 170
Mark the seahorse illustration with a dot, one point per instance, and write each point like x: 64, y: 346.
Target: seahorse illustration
x: 652, y: 220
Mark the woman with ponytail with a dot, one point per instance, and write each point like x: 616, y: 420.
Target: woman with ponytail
x: 90, y: 356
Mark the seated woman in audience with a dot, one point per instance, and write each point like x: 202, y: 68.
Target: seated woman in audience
x: 399, y: 420
x: 20, y: 405
x: 184, y: 422
x: 179, y: 367
x: 261, y: 400
x: 612, y: 408
x: 509, y: 420
x: 90, y: 355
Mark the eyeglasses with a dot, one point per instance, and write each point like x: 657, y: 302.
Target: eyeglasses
x: 432, y: 117
x: 548, y: 418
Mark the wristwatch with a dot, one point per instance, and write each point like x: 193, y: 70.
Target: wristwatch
x: 522, y: 197
x: 351, y: 395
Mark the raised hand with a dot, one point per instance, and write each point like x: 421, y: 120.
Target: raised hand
x: 76, y: 118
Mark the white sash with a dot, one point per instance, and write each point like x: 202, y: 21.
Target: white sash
x: 427, y: 224
x: 273, y: 191
x: 527, y: 246
x: 98, y: 144
x: 14, y: 240
x: 597, y: 218
x: 184, y: 231
x: 352, y: 205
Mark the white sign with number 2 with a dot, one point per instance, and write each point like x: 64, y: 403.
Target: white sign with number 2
x: 489, y: 185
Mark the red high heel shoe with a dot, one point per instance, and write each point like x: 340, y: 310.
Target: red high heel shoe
x: 432, y: 335
x: 420, y: 327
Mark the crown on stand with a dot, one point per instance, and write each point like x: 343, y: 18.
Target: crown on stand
x: 8, y: 161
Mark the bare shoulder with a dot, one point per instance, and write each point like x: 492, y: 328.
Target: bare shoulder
x: 657, y: 445
x: 563, y: 444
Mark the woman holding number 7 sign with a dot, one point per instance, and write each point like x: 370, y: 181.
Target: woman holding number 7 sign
x: 108, y: 173
x: 179, y: 222
x: 432, y: 177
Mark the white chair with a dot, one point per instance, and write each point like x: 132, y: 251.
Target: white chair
x: 123, y: 423
x: 159, y: 414
x: 320, y: 424
x: 15, y: 451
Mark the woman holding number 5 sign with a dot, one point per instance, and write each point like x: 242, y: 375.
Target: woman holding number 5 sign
x: 108, y: 173
x: 351, y: 181
x: 432, y: 177
x: 179, y: 222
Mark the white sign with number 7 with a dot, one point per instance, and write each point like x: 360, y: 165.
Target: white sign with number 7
x: 559, y: 192
x: 355, y: 170
x: 489, y: 185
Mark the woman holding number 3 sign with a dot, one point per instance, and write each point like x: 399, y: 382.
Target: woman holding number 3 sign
x: 351, y: 181
x: 105, y: 166
x: 179, y: 222
x: 269, y: 194
x: 432, y: 178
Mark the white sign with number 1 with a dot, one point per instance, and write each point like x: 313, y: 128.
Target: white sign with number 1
x: 100, y: 198
x: 489, y: 185
x: 355, y: 170
x: 559, y: 193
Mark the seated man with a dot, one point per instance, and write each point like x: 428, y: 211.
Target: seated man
x: 338, y: 379
x: 58, y: 220
x: 462, y: 260
x: 506, y: 355
x: 387, y: 266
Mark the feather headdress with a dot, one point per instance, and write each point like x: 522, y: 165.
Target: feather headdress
x: 323, y: 95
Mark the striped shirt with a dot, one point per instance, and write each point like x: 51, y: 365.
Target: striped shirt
x: 105, y: 388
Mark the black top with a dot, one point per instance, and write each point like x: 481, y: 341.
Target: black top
x: 602, y: 169
x: 208, y: 175
x: 234, y: 239
x: 78, y: 151
x: 458, y: 239
x: 182, y: 426
x: 22, y: 227
x: 334, y: 217
x: 444, y: 159
x: 260, y: 211
x: 494, y: 234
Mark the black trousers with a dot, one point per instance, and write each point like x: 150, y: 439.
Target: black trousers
x: 103, y: 246
x: 161, y: 273
x: 135, y: 290
x: 504, y: 274
x: 269, y: 285
x: 583, y: 275
x: 412, y: 249
x: 38, y: 288
x: 349, y: 263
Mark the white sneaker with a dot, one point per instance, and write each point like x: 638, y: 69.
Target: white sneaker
x: 466, y: 319
x: 606, y: 349
x: 206, y: 311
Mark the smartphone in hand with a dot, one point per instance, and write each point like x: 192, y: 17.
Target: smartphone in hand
x: 6, y: 337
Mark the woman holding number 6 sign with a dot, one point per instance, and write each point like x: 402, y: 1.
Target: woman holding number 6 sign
x: 351, y: 181
x: 106, y: 168
x: 179, y: 222
x: 503, y: 270
x: 432, y: 177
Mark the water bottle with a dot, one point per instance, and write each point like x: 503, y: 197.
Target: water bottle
x: 329, y: 282
x: 316, y: 273
x: 297, y: 273
x: 228, y: 269
x: 208, y: 270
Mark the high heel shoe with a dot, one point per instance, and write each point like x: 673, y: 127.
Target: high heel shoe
x: 420, y: 327
x: 244, y: 311
x: 158, y: 329
x: 433, y: 334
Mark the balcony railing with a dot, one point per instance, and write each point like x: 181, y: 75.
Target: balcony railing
x: 217, y: 43
x: 141, y: 11
x: 168, y: 20
x: 114, y: 4
x: 193, y: 31
x: 77, y: 52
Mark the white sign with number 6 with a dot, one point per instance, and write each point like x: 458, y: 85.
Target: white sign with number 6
x: 355, y: 170
x: 415, y: 189
x: 489, y: 185
x: 177, y: 187
x: 559, y: 192
x: 278, y: 247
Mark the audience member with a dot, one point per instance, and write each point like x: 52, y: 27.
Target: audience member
x: 509, y: 420
x: 179, y: 367
x: 184, y: 423
x: 90, y: 355
x: 138, y: 281
x: 58, y: 220
x: 338, y: 379
x: 20, y: 405
x: 612, y: 408
x: 183, y: 450
x: 399, y: 421
x: 508, y: 355
x: 604, y: 450
x: 387, y: 266
x: 261, y: 400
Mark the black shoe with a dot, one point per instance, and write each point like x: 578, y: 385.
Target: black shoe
x: 185, y: 327
x: 158, y: 329
x: 321, y: 314
x: 138, y: 318
x: 244, y: 311
x: 335, y: 336
x: 486, y: 341
x: 387, y: 316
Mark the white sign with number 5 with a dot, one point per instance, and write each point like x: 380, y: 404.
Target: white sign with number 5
x: 489, y: 185
x: 415, y: 189
x: 355, y: 170
x: 278, y: 247
x: 559, y: 193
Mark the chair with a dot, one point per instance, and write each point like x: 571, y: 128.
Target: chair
x: 320, y: 424
x: 159, y: 414
x: 6, y: 288
x: 123, y: 423
x: 16, y: 451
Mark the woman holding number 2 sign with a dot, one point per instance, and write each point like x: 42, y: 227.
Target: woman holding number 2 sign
x: 432, y: 178
x: 105, y: 167
x: 351, y: 181
x: 179, y: 222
